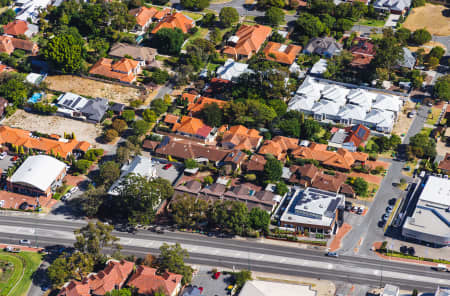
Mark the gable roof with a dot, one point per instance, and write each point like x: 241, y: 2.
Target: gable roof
x: 322, y: 45
x: 281, y: 53
x: 107, y: 67
x: 278, y: 146
x: 161, y: 14
x: 232, y: 70
x: 16, y: 27
x: 357, y: 134
x: 185, y: 149
x: 147, y: 281
x: 140, y: 53
x: 199, y: 103
x: 125, y: 65
x: 95, y: 109
x: 247, y: 40
x: 242, y: 138
x: 143, y: 14
x: 176, y: 20
x: 256, y: 163
x: 445, y: 163
x: 192, y: 126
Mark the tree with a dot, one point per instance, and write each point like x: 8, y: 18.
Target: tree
x: 121, y: 292
x: 93, y: 238
x: 242, y: 277
x: 159, y: 106
x: 218, y: 214
x: 67, y: 267
x: 65, y: 52
x: 189, y: 211
x: 195, y: 4
x: 291, y: 127
x: 160, y: 76
x: 259, y: 219
x: 109, y: 172
x: 172, y: 258
x: 190, y: 163
x: 82, y: 165
x: 8, y: 16
x: 141, y: 127
x: 208, y: 20
x: 309, y: 129
x: 168, y: 41
x: 420, y: 36
x: 359, y: 185
x: 309, y: 25
x: 442, y: 88
x: 273, y: 170
x: 403, y: 35
x: 119, y: 125
x: 237, y: 217
x: 389, y: 52
x: 128, y: 115
x: 149, y: 115
x: 274, y: 16
x: 13, y: 88
x: 92, y: 200
x: 228, y: 16
x: 417, y: 3
x: 422, y: 146
x: 436, y: 52
x: 215, y: 36
x: 110, y: 135
x: 212, y: 115
x: 138, y: 198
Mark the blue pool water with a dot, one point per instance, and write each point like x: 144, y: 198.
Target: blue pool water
x: 17, y: 10
x: 36, y: 97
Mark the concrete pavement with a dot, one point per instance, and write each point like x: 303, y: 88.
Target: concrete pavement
x: 240, y: 254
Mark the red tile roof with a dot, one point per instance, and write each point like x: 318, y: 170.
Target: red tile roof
x: 15, y: 28
x: 176, y: 20
x: 250, y: 40
x: 147, y: 281
x: 143, y: 15
x: 444, y: 165
x: 278, y: 146
x: 363, y: 52
x: 357, y: 134
x: 107, y: 68
x: 242, y: 138
x: 192, y: 126
x: 281, y: 53
x: 200, y: 102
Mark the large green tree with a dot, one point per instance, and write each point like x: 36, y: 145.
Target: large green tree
x: 274, y: 16
x: 228, y: 16
x: 389, y: 52
x: 259, y: 219
x: 442, y: 88
x: 189, y: 211
x: 273, y: 169
x: 66, y: 52
x: 67, y: 267
x: 172, y: 258
x: 212, y: 115
x: 420, y: 36
x: 109, y: 172
x: 195, y: 4
x: 168, y: 41
x: 14, y: 89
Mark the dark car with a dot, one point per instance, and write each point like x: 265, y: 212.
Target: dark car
x: 404, y: 249
x: 392, y: 201
x: 23, y: 206
x: 411, y: 251
x: 332, y: 254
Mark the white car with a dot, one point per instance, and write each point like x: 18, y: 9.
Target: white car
x: 3, y: 155
x: 66, y: 196
x: 25, y: 242
x: 73, y: 189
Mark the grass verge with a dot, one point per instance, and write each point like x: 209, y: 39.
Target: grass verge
x: 433, y: 116
x: 371, y: 22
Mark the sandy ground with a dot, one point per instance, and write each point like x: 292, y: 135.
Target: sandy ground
x: 403, y: 123
x: 56, y: 125
x: 430, y: 17
x: 427, y: 46
x: 92, y: 88
x: 441, y: 148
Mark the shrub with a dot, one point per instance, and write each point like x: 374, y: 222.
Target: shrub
x: 110, y: 135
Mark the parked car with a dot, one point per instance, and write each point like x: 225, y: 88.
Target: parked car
x: 411, y: 251
x: 23, y: 206
x: 15, y: 158
x: 392, y: 201
x: 389, y: 209
x: 167, y: 166
x: 216, y: 275
x: 441, y: 267
x: 66, y: 196
x: 25, y: 242
x: 385, y: 217
x: 12, y: 249
x: 3, y: 155
x: 404, y: 249
x: 73, y: 189
x: 332, y: 254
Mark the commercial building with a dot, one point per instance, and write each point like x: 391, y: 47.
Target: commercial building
x: 267, y: 288
x: 313, y: 210
x: 430, y: 221
x: 38, y: 175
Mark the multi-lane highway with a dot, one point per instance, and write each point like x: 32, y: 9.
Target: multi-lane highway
x: 263, y: 257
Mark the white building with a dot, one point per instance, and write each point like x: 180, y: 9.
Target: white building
x: 319, y: 68
x: 266, y: 288
x: 346, y: 104
x: 430, y: 221
x: 390, y: 290
x: 139, y: 166
x: 29, y: 9
x: 232, y: 70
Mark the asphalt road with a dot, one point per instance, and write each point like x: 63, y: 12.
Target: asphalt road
x: 324, y: 267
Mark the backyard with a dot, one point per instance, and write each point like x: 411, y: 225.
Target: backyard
x: 433, y: 116
x: 16, y: 272
x: 91, y: 88
x: 430, y: 17
x: 56, y: 125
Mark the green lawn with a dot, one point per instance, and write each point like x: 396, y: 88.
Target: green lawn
x: 371, y: 22
x: 433, y: 116
x: 24, y: 262
x: 193, y: 15
x: 426, y: 131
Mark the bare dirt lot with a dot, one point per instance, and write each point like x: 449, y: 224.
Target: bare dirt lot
x: 92, y: 88
x: 430, y: 17
x: 403, y: 122
x: 56, y: 125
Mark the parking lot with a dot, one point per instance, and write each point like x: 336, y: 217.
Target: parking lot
x: 5, y: 163
x: 169, y: 173
x: 211, y: 287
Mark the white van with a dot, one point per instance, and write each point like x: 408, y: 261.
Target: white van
x: 441, y: 267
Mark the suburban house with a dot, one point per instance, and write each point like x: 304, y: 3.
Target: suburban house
x: 38, y: 175
x: 250, y: 196
x: 125, y: 70
x: 239, y: 137
x: 161, y: 14
x: 144, y: 17
x: 175, y: 20
x: 392, y: 6
x: 185, y: 149
x: 6, y: 68
x: 232, y: 70
x: 235, y: 159
x: 196, y: 103
x: 342, y: 159
x: 9, y: 44
x: 363, y: 52
x: 14, y: 137
x: 255, y: 164
x: 246, y: 41
x: 281, y: 53
x: 195, y: 128
x: 19, y: 27
x: 216, y: 87
x: 140, y: 165
x: 278, y: 147
x: 349, y: 138
x: 324, y: 46
x: 138, y: 53
x: 312, y: 211
x: 147, y: 281
x: 29, y: 10
x: 409, y: 60
x: 75, y: 106
x: 444, y: 165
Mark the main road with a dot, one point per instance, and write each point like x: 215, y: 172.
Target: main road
x: 239, y: 254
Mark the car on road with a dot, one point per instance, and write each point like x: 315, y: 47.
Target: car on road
x: 381, y: 223
x: 25, y: 242
x: 412, y: 114
x: 332, y: 254
x: 389, y: 209
x: 167, y: 166
x: 441, y: 267
x: 360, y: 210
x: 12, y: 249
x: 66, y: 196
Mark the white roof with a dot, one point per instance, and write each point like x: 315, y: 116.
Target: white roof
x: 265, y: 288
x: 390, y: 290
x: 380, y: 118
x: 336, y: 94
x: 320, y: 67
x: 361, y: 97
x: 34, y: 78
x: 326, y: 107
x: 350, y: 111
x: 139, y: 166
x: 300, y: 102
x: 72, y: 101
x: 310, y: 88
x: 387, y: 102
x: 436, y: 190
x: 38, y: 171
x: 232, y: 70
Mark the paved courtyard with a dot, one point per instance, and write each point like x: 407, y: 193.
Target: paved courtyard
x: 211, y: 287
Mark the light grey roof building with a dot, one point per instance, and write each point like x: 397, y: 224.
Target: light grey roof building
x: 390, y: 290
x: 324, y: 46
x: 319, y: 68
x: 138, y: 53
x: 430, y: 221
x: 266, y: 288
x: 381, y: 120
x: 95, y: 109
x: 409, y: 60
x: 398, y: 6
x: 73, y: 105
x: 231, y: 70
x: 72, y: 101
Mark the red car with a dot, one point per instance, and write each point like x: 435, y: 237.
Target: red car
x: 216, y: 275
x: 15, y: 158
x: 201, y: 290
x: 167, y: 166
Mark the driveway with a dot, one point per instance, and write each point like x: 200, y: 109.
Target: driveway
x: 392, y: 21
x: 40, y: 280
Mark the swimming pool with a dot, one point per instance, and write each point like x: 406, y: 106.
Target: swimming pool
x: 17, y: 10
x: 36, y: 97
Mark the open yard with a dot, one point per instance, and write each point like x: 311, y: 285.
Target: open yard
x: 430, y: 17
x: 55, y: 125
x: 16, y: 272
x: 433, y: 116
x: 92, y: 88
x: 403, y: 122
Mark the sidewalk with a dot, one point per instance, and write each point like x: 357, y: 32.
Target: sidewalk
x: 22, y: 248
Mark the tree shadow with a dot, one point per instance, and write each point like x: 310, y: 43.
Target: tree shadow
x: 446, y: 12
